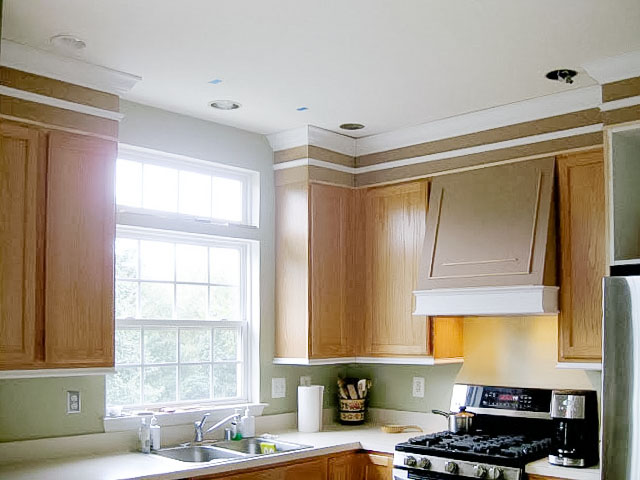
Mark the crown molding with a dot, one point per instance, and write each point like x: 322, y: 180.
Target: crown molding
x: 67, y: 69
x: 612, y: 69
x: 312, y: 135
x: 502, y: 116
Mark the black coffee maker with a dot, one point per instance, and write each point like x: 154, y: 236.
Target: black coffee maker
x: 575, y: 418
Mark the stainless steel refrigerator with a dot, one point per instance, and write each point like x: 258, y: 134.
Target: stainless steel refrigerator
x: 621, y: 379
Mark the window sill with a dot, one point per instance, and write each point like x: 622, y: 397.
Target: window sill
x: 132, y: 421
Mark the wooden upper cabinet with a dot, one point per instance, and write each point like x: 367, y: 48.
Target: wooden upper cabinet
x: 394, y: 218
x: 331, y: 263
x: 313, y: 258
x: 489, y: 227
x: 22, y: 169
x: 583, y: 255
x: 80, y: 231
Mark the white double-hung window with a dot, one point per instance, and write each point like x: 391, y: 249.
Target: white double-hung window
x: 185, y: 264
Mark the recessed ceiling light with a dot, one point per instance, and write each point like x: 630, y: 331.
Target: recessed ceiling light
x: 351, y: 126
x: 224, y: 104
x: 68, y: 42
x: 563, y: 75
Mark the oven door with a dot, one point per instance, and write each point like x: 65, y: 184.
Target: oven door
x: 415, y: 474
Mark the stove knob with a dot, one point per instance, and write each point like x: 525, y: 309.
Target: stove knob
x: 424, y: 463
x: 495, y: 473
x: 479, y: 471
x: 410, y: 461
x: 451, y: 467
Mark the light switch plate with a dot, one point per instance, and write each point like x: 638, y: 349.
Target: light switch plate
x: 305, y: 381
x: 73, y: 401
x: 418, y: 387
x: 278, y: 387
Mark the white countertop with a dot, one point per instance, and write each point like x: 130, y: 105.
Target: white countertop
x: 334, y: 439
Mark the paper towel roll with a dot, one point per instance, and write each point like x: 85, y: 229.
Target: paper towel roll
x: 310, y: 408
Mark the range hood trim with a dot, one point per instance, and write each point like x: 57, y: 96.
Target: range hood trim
x: 488, y: 301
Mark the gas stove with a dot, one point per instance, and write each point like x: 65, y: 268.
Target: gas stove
x: 512, y: 427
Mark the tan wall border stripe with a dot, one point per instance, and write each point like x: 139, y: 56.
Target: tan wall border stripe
x: 295, y: 153
x: 629, y: 87
x: 521, y: 151
x: 311, y: 151
x: 334, y: 177
x: 45, y: 114
x: 621, y: 115
x: 525, y: 129
x: 49, y: 87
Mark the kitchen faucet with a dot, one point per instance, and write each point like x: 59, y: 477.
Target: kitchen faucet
x: 200, y: 425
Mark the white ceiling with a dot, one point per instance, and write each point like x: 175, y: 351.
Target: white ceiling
x: 387, y: 64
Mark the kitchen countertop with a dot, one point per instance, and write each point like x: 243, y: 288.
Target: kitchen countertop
x: 332, y: 439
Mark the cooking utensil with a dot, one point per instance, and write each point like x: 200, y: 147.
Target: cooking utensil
x: 352, y: 392
x: 342, y: 388
x: 399, y: 428
x: 459, y: 422
x: 362, y: 388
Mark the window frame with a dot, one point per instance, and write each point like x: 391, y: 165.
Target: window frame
x: 149, y: 224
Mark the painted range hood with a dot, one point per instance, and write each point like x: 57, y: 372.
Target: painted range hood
x: 490, y: 243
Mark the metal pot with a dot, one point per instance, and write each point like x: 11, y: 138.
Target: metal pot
x: 459, y: 422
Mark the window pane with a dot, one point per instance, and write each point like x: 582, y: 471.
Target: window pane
x: 160, y: 345
x: 225, y: 265
x: 126, y: 299
x: 195, y: 382
x: 191, y: 302
x: 160, y: 384
x: 128, y: 345
x: 195, y: 194
x: 225, y: 344
x: 191, y: 263
x: 195, y: 344
x: 123, y: 387
x: 126, y: 258
x: 225, y: 303
x: 156, y: 300
x: 160, y: 188
x: 128, y: 183
x: 225, y: 380
x: 156, y: 260
x: 227, y: 199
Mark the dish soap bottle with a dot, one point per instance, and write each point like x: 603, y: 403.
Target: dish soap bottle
x: 236, y: 433
x: 248, y: 424
x: 145, y: 436
x: 155, y: 434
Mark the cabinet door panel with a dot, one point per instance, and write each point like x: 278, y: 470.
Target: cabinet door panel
x: 378, y: 467
x: 79, y: 251
x: 22, y: 164
x: 583, y: 255
x: 312, y: 470
x: 331, y: 259
x: 488, y: 227
x: 394, y: 234
x: 346, y: 467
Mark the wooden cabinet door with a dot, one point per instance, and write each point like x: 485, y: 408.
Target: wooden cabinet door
x: 22, y: 168
x: 378, y: 467
x: 488, y: 227
x: 583, y: 255
x: 311, y: 470
x: 80, y: 234
x: 393, y: 237
x: 346, y: 467
x: 331, y: 262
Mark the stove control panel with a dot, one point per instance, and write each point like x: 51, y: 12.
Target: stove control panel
x: 534, y: 402
x: 411, y: 462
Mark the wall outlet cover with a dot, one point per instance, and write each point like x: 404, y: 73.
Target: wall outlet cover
x: 305, y: 381
x: 73, y: 401
x: 418, y: 387
x: 278, y: 387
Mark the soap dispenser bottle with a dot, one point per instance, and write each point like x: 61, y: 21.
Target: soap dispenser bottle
x: 248, y: 423
x: 236, y: 433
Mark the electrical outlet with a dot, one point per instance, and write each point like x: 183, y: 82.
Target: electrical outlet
x: 278, y: 387
x: 73, y: 401
x: 418, y: 387
x: 305, y: 381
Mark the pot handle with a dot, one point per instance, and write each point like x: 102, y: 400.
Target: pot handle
x: 440, y: 412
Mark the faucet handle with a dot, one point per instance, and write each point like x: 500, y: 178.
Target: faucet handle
x: 201, y: 423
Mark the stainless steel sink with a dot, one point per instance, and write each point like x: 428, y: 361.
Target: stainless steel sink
x: 199, y: 453
x: 251, y: 446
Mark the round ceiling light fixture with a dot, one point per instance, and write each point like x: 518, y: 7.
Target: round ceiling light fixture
x: 563, y: 75
x: 352, y: 126
x: 68, y: 42
x: 225, y: 105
